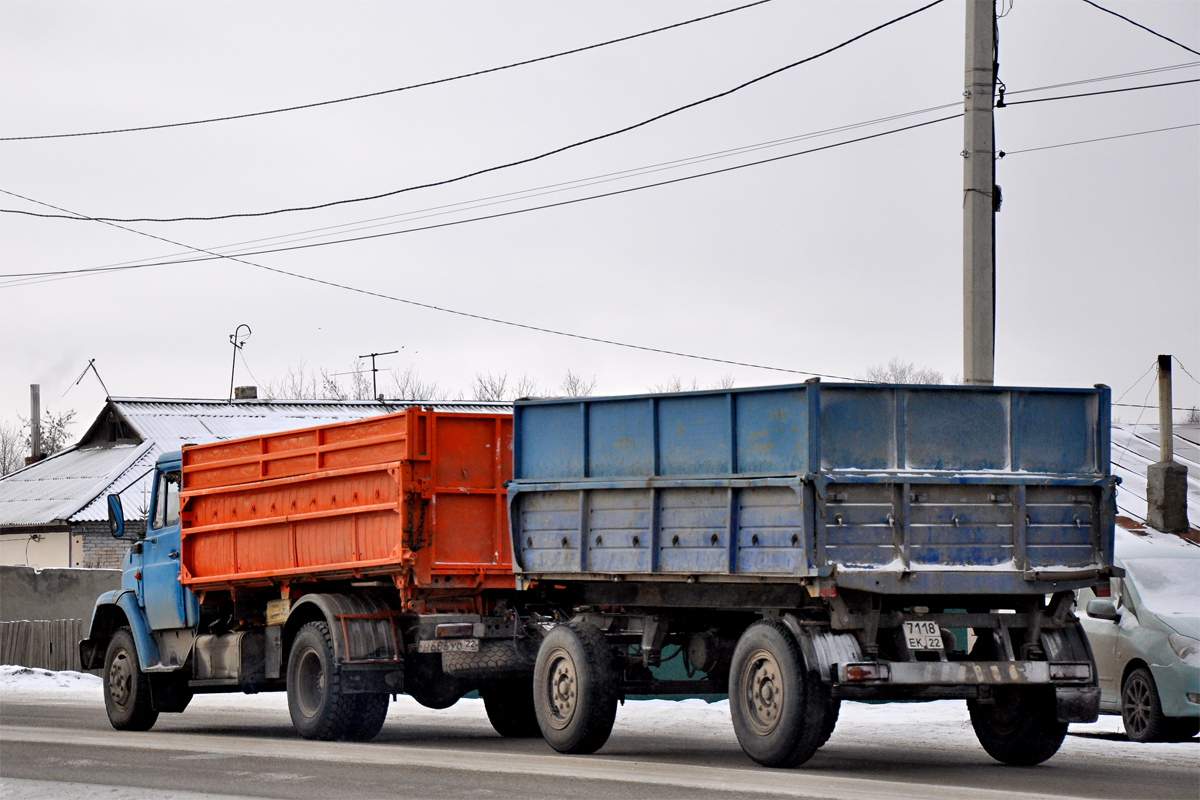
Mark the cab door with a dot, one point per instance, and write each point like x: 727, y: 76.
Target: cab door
x: 164, y: 597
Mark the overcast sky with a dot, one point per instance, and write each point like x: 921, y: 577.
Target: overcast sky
x: 823, y: 263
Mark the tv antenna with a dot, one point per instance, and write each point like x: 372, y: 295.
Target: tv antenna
x: 238, y: 341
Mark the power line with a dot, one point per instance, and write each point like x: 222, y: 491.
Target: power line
x: 466, y: 314
x: 214, y: 255
x: 318, y: 104
x: 1140, y: 25
x: 1186, y: 65
x: 1004, y: 153
x: 495, y: 168
x: 537, y: 191
x: 1106, y: 91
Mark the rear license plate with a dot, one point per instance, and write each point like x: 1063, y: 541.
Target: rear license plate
x: 923, y: 636
x: 448, y: 646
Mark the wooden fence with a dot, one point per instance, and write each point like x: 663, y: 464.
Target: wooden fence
x: 43, y: 643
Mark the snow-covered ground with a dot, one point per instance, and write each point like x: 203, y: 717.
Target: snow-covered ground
x: 939, y: 724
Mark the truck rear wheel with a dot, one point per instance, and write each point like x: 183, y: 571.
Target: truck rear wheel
x: 366, y: 721
x: 1020, y: 727
x: 126, y: 688
x: 318, y: 707
x: 575, y: 688
x: 509, y: 706
x: 780, y: 713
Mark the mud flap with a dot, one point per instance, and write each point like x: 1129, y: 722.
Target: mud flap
x: 1078, y: 703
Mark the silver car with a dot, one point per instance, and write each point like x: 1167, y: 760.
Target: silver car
x: 1146, y: 637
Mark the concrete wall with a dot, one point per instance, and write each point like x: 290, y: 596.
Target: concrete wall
x: 26, y: 593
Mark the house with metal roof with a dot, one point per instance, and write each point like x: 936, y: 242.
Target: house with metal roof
x: 53, y: 513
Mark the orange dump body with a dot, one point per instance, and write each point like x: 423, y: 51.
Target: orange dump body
x: 416, y: 498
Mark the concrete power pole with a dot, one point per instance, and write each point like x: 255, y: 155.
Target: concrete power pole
x: 1166, y: 481
x: 979, y: 216
x: 35, y: 423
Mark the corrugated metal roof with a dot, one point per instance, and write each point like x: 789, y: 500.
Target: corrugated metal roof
x: 1135, y: 448
x: 55, y: 488
x: 72, y: 485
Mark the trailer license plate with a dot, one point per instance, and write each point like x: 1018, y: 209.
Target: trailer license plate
x: 448, y: 646
x: 923, y: 635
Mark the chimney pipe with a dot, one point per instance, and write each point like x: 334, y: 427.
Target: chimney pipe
x: 1166, y: 481
x: 35, y: 422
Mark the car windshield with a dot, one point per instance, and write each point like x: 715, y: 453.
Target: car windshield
x: 1167, y: 585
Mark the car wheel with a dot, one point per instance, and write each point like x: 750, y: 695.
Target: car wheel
x: 1140, y: 709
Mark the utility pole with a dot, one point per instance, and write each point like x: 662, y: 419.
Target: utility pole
x: 979, y: 181
x: 1166, y: 481
x: 374, y: 384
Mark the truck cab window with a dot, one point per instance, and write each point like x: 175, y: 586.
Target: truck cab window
x: 166, y: 500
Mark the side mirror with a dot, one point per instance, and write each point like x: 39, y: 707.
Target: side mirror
x: 1103, y: 609
x: 116, y: 516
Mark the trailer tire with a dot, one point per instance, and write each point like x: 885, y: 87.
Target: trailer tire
x: 575, y: 688
x: 780, y: 711
x: 127, y: 696
x: 509, y: 706
x: 319, y: 708
x: 1020, y: 727
x: 831, y: 717
x: 366, y: 720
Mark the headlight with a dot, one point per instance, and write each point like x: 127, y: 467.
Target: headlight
x: 1187, y: 648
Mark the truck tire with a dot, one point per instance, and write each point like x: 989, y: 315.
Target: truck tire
x: 509, y: 706
x: 1020, y: 727
x: 1141, y: 710
x: 318, y: 707
x: 780, y: 712
x: 575, y: 688
x: 126, y: 688
x: 366, y: 720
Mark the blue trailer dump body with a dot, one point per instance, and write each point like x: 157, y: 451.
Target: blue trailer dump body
x: 883, y: 488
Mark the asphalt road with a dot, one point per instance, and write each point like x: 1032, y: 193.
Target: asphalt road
x: 66, y: 749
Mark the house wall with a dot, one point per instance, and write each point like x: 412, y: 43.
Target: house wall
x: 99, y: 550
x: 44, y: 549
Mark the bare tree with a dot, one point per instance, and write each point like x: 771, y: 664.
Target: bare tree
x: 56, y: 432
x: 1192, y: 417
x: 675, y: 384
x: 408, y: 385
x: 898, y: 371
x: 726, y: 382
x: 497, y: 387
x: 12, y: 452
x: 297, y: 384
x: 576, y: 386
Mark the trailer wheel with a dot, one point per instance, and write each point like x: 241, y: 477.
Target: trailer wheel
x: 318, y: 707
x: 780, y: 713
x: 509, y: 706
x: 366, y: 720
x: 1020, y: 727
x: 575, y: 688
x: 831, y: 717
x: 126, y: 688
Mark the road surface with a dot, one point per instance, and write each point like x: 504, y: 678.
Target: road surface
x: 61, y: 746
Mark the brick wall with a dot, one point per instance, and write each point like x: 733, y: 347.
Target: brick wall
x: 100, y: 549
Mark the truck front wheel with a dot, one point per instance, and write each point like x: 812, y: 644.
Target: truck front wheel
x: 126, y: 688
x: 1020, y: 727
x: 575, y: 688
x: 780, y: 713
x: 318, y: 707
x: 509, y: 706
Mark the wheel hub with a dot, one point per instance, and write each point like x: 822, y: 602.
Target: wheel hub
x: 564, y: 692
x: 762, y: 692
x: 310, y: 684
x: 120, y: 679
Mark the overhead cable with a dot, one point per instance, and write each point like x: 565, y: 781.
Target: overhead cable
x: 214, y: 255
x: 423, y: 84
x: 497, y: 167
x: 1093, y: 94
x: 1004, y: 153
x: 1140, y: 25
x: 468, y: 315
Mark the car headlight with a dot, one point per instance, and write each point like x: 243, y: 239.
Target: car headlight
x: 1187, y: 648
